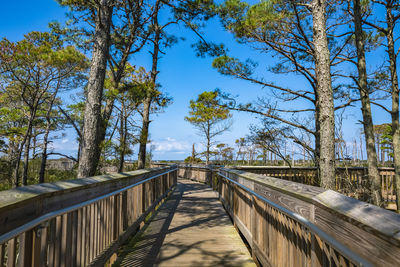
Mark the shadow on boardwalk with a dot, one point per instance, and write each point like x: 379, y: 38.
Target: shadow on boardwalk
x: 190, y: 229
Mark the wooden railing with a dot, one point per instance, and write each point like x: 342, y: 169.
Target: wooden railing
x: 202, y: 174
x: 78, y: 222
x: 292, y: 224
x: 349, y: 181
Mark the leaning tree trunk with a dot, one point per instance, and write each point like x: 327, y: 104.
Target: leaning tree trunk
x: 90, y: 153
x: 373, y: 172
x: 109, y: 105
x: 45, y: 143
x: 147, y: 102
x: 26, y: 158
x: 46, y: 137
x: 208, y: 143
x: 395, y: 104
x: 122, y: 135
x: 21, y: 147
x: 324, y: 99
x: 44, y: 152
x: 144, y: 134
x: 17, y: 165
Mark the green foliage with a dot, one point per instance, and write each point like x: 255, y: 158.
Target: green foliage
x: 192, y: 160
x: 208, y: 115
x: 53, y: 175
x: 386, y: 139
x: 195, y: 9
x: 245, y: 20
x: 32, y: 72
x: 5, y: 174
x: 224, y: 153
x: 207, y: 109
x: 232, y: 66
x: 39, y: 50
x: 136, y: 85
x: 81, y: 4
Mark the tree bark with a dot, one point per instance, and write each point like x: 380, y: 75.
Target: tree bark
x: 208, y: 143
x: 44, y: 152
x: 122, y: 135
x: 46, y: 136
x: 12, y: 155
x: 147, y: 102
x: 21, y: 147
x: 395, y: 102
x: 324, y: 97
x: 144, y: 134
x: 26, y: 158
x: 90, y: 153
x: 373, y: 172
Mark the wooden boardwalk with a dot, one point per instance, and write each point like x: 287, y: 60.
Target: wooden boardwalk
x: 190, y: 229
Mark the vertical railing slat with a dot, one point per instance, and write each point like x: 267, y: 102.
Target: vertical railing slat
x: 11, y: 252
x: 2, y: 255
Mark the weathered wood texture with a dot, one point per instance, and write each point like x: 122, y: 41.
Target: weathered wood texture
x: 190, y: 229
x: 281, y: 240
x: 54, y: 233
x: 197, y: 173
x: 349, y: 181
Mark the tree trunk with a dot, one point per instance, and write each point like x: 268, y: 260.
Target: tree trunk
x: 122, y: 136
x: 16, y: 169
x: 26, y: 158
x: 46, y: 136
x: 147, y: 103
x: 395, y: 103
x: 324, y: 98
x: 208, y: 143
x: 265, y: 157
x: 12, y: 155
x: 44, y: 152
x: 373, y: 173
x: 34, y: 141
x: 144, y: 134
x: 90, y: 153
x: 20, y: 147
x: 317, y: 151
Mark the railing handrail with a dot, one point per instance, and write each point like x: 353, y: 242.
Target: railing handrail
x: 326, y: 237
x: 37, y: 221
x: 304, y: 167
x: 205, y: 167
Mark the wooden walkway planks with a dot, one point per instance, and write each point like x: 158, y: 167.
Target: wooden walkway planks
x: 190, y: 229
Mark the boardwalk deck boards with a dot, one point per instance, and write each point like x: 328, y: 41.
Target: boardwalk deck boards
x: 190, y: 229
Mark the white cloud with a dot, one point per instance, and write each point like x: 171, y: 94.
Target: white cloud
x: 64, y: 145
x: 171, y: 145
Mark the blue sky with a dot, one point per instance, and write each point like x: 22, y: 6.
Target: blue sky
x: 182, y: 75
